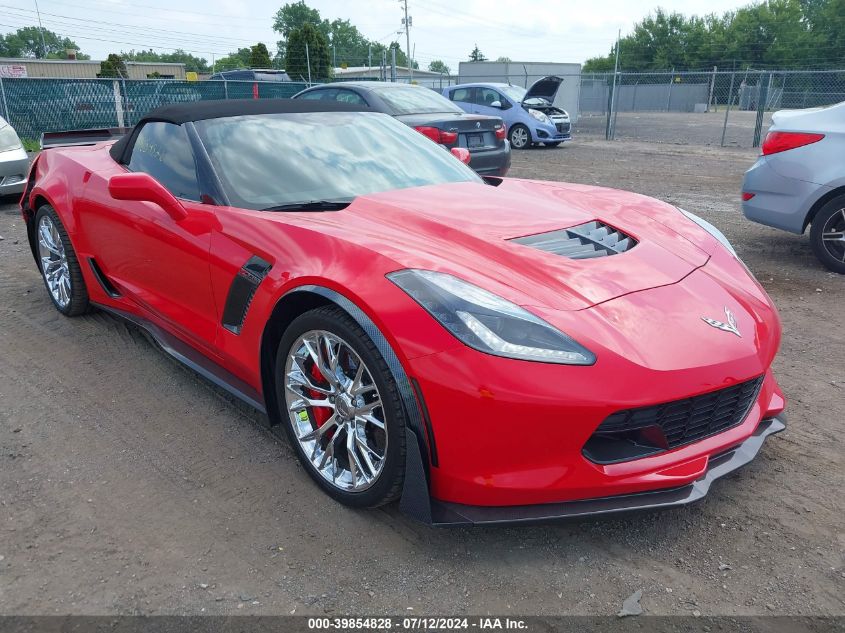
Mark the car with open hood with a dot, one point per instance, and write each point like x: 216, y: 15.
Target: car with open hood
x: 485, y: 350
x: 530, y: 115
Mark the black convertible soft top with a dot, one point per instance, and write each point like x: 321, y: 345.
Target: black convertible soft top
x: 180, y: 113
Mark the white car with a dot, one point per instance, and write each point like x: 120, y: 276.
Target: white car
x: 799, y: 180
x: 14, y: 162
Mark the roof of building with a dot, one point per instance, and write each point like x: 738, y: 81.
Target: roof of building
x: 35, y: 60
x: 377, y: 69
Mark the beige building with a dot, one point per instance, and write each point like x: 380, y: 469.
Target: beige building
x: 78, y: 69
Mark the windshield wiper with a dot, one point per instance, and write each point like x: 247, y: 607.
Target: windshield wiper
x: 311, y: 205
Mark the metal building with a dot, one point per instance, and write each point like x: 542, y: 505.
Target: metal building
x: 84, y: 69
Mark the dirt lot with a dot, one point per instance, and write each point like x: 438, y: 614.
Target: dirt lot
x: 129, y: 485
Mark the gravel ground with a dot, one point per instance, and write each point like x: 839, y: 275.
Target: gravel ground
x: 129, y: 485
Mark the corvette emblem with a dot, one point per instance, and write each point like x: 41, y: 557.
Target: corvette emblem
x: 728, y: 326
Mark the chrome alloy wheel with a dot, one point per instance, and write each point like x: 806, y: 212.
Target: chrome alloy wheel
x: 335, y: 410
x: 519, y: 137
x: 833, y: 235
x: 54, y: 265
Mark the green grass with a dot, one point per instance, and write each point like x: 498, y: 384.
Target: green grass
x: 31, y: 145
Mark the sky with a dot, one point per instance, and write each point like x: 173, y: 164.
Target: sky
x: 527, y: 30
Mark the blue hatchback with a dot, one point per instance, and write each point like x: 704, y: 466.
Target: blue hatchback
x: 530, y: 115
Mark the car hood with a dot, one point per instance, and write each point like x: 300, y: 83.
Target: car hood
x: 545, y: 88
x: 468, y: 230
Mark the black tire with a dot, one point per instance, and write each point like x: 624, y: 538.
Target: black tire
x: 830, y: 219
x: 388, y: 484
x: 520, y: 132
x: 77, y: 303
x: 555, y: 144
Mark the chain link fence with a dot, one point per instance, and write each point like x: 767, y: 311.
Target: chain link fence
x: 36, y: 105
x: 703, y: 108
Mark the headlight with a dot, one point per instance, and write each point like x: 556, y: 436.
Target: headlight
x: 8, y: 139
x: 487, y: 322
x: 542, y: 118
x: 704, y: 224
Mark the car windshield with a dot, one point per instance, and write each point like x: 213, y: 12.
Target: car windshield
x: 517, y: 93
x: 415, y: 100
x: 273, y: 160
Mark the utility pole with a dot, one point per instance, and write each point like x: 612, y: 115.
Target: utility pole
x: 609, y: 131
x: 407, y: 23
x: 41, y: 26
x: 308, y: 61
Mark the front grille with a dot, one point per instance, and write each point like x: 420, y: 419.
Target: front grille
x: 563, y: 128
x: 592, y: 239
x: 686, y: 421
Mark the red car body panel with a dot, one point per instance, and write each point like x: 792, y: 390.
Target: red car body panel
x: 507, y: 432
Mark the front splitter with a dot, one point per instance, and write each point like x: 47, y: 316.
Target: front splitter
x: 447, y: 514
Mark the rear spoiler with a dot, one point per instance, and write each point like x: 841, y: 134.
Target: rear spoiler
x: 71, y: 138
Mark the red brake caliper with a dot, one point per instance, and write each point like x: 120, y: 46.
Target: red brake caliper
x: 321, y: 414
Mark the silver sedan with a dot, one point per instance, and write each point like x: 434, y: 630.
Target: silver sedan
x: 14, y: 162
x: 799, y: 180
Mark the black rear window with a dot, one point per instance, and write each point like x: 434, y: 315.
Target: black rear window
x: 415, y: 100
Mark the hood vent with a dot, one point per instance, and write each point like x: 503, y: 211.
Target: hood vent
x: 592, y: 239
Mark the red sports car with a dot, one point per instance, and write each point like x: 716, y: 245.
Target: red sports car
x: 488, y: 350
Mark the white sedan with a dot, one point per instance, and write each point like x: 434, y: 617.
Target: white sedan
x: 14, y: 162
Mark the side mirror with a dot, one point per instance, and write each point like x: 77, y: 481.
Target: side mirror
x: 496, y: 104
x: 462, y: 154
x: 140, y: 187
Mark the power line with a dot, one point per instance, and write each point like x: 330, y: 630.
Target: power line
x: 122, y: 27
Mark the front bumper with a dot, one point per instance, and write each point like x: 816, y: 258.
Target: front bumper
x: 491, y: 162
x: 543, y: 133
x: 14, y: 166
x: 452, y: 514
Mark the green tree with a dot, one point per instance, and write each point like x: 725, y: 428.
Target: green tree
x: 239, y: 59
x: 504, y: 60
x: 476, y: 55
x: 346, y: 44
x: 295, y: 15
x: 438, y: 66
x: 26, y: 42
x: 260, y: 56
x: 769, y: 34
x: 113, y: 66
x: 298, y: 61
x: 179, y: 56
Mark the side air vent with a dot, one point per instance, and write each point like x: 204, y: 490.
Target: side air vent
x: 592, y: 239
x: 241, y: 292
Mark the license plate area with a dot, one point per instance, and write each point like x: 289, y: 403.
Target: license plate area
x: 475, y: 140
